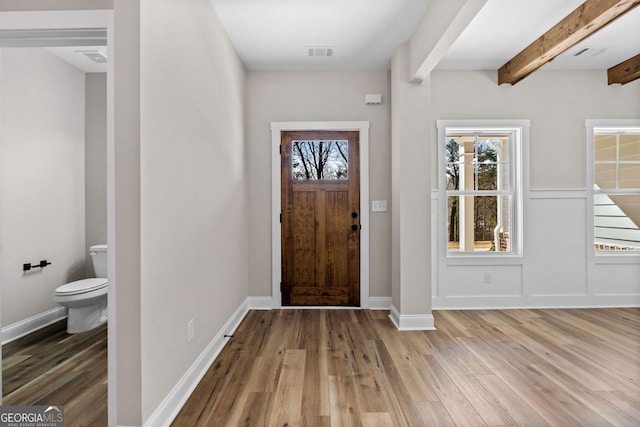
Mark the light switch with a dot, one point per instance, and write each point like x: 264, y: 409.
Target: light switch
x: 379, y: 205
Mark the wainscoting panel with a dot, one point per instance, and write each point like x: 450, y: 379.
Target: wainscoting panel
x: 613, y: 279
x: 484, y: 281
x: 556, y: 247
x: 557, y: 267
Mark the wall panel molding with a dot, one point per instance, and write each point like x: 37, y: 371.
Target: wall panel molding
x: 558, y: 193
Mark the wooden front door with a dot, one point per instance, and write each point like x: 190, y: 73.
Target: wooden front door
x: 320, y: 218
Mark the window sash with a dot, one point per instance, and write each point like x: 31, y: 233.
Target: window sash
x: 484, y: 230
x: 515, y: 134
x: 601, y: 154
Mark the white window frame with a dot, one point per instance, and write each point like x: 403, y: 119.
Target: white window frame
x: 593, y: 127
x: 519, y: 131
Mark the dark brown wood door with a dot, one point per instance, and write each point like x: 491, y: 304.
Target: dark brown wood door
x: 320, y: 218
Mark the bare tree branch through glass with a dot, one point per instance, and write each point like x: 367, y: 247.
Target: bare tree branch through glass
x: 320, y: 160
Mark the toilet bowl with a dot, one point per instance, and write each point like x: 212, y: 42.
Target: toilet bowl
x: 86, y: 299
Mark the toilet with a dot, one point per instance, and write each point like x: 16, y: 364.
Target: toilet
x: 86, y: 299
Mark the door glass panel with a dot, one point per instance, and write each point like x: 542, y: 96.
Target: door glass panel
x: 319, y: 160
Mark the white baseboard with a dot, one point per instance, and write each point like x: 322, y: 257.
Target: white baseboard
x: 33, y: 323
x: 379, y: 303
x: 260, y: 303
x: 173, y: 402
x: 412, y: 322
x: 266, y: 303
x: 535, y: 301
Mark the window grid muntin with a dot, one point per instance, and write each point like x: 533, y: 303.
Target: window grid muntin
x: 510, y: 231
x: 617, y: 162
x: 513, y: 137
x: 599, y: 247
x: 476, y: 164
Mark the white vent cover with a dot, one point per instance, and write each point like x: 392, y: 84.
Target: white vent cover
x: 590, y: 51
x: 319, y: 52
x: 373, y: 98
x: 94, y: 56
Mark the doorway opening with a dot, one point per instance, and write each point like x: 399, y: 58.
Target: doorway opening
x: 320, y: 218
x: 74, y: 35
x: 337, y: 237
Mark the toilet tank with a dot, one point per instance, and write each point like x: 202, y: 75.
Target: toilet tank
x: 99, y: 257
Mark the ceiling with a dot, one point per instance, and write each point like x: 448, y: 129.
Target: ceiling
x: 84, y: 48
x: 504, y: 27
x: 276, y: 34
x: 79, y: 57
x: 363, y: 35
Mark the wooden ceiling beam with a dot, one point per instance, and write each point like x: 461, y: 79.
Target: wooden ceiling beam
x: 625, y: 72
x: 588, y: 18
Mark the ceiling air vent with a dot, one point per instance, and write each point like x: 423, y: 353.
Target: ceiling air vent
x: 320, y: 52
x: 94, y: 56
x: 581, y: 51
x: 590, y: 51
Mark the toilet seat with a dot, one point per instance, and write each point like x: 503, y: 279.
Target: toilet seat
x: 81, y: 287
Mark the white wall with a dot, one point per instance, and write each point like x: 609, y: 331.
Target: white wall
x: 31, y: 5
x: 316, y: 96
x: 41, y: 179
x: 411, y: 284
x: 193, y: 172
x: 203, y: 86
x: 123, y: 215
x: 95, y: 163
x: 556, y: 269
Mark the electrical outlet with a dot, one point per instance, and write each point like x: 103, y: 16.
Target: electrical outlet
x: 488, y: 277
x: 191, y: 330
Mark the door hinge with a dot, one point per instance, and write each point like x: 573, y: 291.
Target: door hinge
x: 280, y: 218
x: 280, y: 148
x: 281, y: 286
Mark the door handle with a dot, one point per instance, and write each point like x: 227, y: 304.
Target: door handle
x: 354, y: 227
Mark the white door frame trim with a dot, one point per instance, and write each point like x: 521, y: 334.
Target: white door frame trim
x: 276, y: 247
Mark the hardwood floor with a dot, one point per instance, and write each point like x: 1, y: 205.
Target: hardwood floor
x: 480, y: 368
x: 51, y: 367
x: 352, y: 368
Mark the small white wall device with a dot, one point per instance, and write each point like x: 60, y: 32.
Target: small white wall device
x: 373, y: 98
